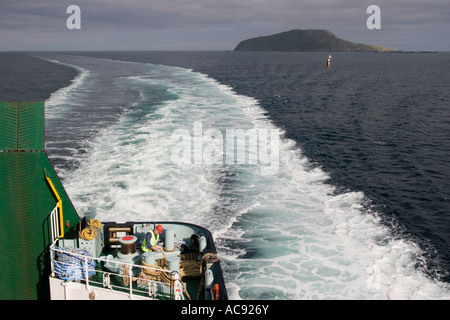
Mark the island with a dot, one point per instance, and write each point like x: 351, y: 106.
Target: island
x: 306, y: 41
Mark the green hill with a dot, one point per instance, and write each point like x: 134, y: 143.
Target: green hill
x: 306, y: 40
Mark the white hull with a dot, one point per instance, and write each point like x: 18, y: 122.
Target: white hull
x: 71, y: 290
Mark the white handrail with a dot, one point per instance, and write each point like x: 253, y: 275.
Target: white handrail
x: 54, y: 223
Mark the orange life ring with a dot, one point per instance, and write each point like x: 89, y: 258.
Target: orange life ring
x: 216, y: 292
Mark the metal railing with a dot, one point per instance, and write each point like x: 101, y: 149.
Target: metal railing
x: 54, y: 223
x: 118, y: 282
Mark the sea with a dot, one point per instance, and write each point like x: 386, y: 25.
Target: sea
x: 316, y: 182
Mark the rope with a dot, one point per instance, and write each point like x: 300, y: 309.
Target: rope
x: 189, y: 267
x: 126, y: 276
x: 90, y: 232
x: 162, y: 250
x: 70, y: 266
x: 206, y: 259
x: 157, y: 275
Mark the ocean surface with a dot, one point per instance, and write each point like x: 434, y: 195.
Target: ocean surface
x: 316, y: 182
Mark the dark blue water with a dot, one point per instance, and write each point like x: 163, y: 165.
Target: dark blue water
x: 376, y: 124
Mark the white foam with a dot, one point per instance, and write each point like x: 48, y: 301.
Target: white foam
x: 59, y: 100
x: 284, y: 236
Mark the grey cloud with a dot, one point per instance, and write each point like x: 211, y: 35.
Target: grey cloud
x: 232, y: 20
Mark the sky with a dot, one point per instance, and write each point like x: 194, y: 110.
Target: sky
x: 41, y: 25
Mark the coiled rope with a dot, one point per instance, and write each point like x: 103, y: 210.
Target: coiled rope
x: 189, y: 267
x: 154, y: 273
x: 90, y: 232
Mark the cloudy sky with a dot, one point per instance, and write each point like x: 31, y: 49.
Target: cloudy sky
x: 216, y: 24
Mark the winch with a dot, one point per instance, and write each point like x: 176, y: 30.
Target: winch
x: 127, y: 254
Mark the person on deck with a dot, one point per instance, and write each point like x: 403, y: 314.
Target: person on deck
x: 151, y: 239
